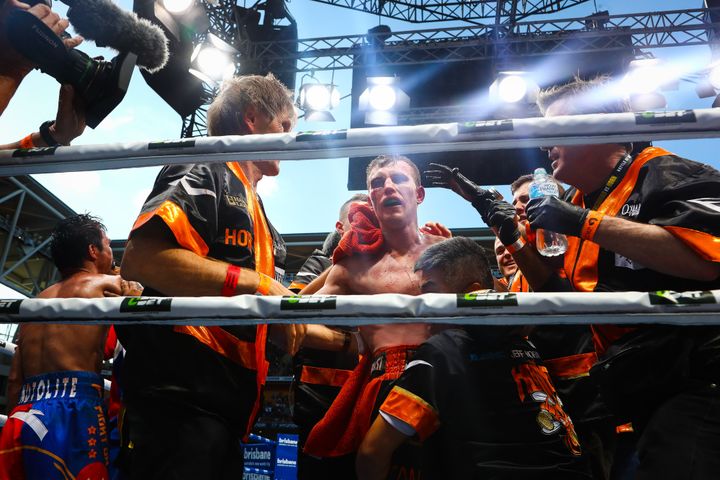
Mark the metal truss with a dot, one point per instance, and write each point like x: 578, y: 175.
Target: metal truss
x: 596, y: 33
x: 523, y: 39
x: 28, y: 213
x: 424, y: 11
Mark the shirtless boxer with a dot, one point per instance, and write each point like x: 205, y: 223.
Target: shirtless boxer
x: 376, y: 261
x: 57, y: 429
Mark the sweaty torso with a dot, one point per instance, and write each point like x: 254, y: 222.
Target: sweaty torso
x: 390, y: 272
x: 46, y: 348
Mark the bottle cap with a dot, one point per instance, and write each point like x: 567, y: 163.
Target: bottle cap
x: 539, y: 171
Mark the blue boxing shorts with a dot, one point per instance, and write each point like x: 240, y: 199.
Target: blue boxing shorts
x: 57, y: 430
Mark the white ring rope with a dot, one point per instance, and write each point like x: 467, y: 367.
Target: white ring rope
x: 482, y: 135
x: 685, y: 308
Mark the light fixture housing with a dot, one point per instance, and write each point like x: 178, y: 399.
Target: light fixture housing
x: 213, y: 60
x: 645, y: 79
x: 317, y: 99
x: 514, y: 87
x: 177, y: 7
x: 382, y: 100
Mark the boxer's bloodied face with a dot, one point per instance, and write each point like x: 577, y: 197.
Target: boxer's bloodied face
x: 394, y: 193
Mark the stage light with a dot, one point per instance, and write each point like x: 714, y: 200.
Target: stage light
x: 514, y: 87
x: 213, y: 60
x: 645, y: 76
x: 714, y: 77
x: 643, y: 82
x: 382, y: 100
x: 382, y: 97
x: 177, y: 6
x: 316, y: 100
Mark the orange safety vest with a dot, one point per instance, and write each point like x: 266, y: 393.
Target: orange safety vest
x: 581, y: 257
x: 250, y: 355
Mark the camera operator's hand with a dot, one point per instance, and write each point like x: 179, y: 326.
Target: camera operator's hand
x: 12, y: 63
x: 13, y: 66
x: 70, y: 121
x: 556, y: 215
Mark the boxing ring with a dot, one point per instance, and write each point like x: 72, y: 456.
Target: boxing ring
x: 683, y: 308
x: 312, y: 145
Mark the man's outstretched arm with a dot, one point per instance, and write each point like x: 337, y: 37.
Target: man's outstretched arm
x: 153, y: 258
x: 335, y: 282
x: 654, y: 247
x: 651, y: 246
x: 376, y: 451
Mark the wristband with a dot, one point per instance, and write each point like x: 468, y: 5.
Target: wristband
x: 591, y: 224
x: 27, y: 142
x: 516, y: 246
x: 263, y: 287
x: 231, y: 280
x: 46, y: 135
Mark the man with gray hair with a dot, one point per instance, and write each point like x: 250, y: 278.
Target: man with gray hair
x: 192, y: 393
x: 649, y: 223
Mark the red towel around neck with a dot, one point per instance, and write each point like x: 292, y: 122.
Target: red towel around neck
x: 364, y: 237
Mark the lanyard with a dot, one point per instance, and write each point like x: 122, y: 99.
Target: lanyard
x: 615, y: 177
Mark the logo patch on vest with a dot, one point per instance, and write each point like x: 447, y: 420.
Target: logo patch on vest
x: 630, y: 210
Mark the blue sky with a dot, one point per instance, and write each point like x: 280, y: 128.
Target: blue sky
x: 307, y: 194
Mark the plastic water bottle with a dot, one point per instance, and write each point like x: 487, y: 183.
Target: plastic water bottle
x: 549, y: 244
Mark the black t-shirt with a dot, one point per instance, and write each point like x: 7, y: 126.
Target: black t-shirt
x: 675, y: 193
x: 205, y: 207
x: 485, y: 408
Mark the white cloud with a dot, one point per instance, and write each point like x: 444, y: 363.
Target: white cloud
x: 267, y: 186
x: 75, y: 185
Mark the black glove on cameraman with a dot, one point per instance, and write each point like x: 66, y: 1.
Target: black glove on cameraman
x: 555, y: 215
x: 497, y: 214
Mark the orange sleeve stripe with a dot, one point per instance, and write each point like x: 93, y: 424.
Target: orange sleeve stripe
x: 333, y: 377
x: 708, y: 246
x: 412, y: 410
x: 176, y: 219
x: 572, y: 366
